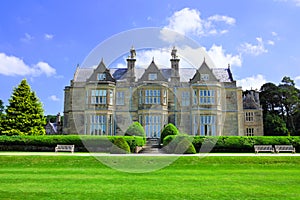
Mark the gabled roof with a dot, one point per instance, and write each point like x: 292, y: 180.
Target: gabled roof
x: 119, y: 74
x: 101, y: 68
x: 152, y: 69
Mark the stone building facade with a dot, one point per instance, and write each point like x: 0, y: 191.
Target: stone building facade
x: 203, y: 101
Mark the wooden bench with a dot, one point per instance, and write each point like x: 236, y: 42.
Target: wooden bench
x: 61, y: 147
x: 279, y: 148
x: 258, y: 148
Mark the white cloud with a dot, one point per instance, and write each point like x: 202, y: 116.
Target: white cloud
x: 222, y: 18
x: 254, y: 49
x: 297, y: 78
x: 14, y: 66
x: 216, y: 56
x: 48, y: 36
x: 274, y: 33
x: 188, y: 21
x: 296, y: 2
x: 43, y: 68
x: 53, y: 98
x: 27, y: 38
x: 221, y: 59
x: 271, y: 42
x: 253, y: 82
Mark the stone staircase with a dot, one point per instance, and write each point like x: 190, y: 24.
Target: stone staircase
x: 152, y: 146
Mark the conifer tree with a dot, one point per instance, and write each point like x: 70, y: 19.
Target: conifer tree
x: 24, y: 114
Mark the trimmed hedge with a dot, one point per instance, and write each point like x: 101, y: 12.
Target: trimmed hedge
x: 238, y: 144
x: 82, y: 143
x: 179, y: 144
x: 169, y: 129
x: 120, y: 146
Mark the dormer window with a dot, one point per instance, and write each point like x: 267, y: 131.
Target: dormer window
x: 204, y: 77
x: 101, y: 77
x: 152, y: 76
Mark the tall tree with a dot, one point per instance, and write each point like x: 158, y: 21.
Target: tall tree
x: 24, y: 114
x: 290, y: 101
x: 282, y: 101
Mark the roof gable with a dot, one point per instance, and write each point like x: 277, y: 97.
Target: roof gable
x: 101, y: 69
x: 204, y: 73
x: 152, y: 73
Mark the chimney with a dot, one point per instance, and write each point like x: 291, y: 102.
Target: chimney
x: 174, y: 66
x: 131, y: 65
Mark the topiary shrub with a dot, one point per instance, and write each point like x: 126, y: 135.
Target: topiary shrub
x: 169, y: 129
x: 135, y: 129
x: 120, y: 146
x: 184, y: 145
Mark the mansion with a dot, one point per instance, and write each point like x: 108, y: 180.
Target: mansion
x: 198, y: 101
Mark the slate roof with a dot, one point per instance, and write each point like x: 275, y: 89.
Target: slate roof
x: 222, y: 74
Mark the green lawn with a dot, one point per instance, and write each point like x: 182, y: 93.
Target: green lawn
x: 74, y: 177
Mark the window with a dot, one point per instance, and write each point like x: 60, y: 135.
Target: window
x: 204, y: 77
x: 152, y: 96
x: 152, y: 76
x: 98, y: 97
x: 249, y: 131
x: 185, y: 98
x: 249, y: 116
x: 140, y: 96
x: 204, y: 125
x: 195, y: 97
x: 152, y: 126
x: 111, y: 97
x: 120, y: 98
x: 101, y: 77
x: 98, y: 125
x: 207, y: 96
x: 165, y: 97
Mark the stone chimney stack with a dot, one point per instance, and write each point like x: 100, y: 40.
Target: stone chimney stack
x: 175, y: 78
x: 131, y: 65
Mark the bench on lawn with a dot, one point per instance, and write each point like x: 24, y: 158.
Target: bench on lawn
x: 64, y: 147
x: 279, y: 148
x: 258, y: 148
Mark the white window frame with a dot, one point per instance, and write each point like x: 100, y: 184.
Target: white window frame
x: 205, y: 124
x: 152, y: 97
x: 249, y: 116
x: 152, y: 125
x: 204, y: 77
x: 152, y: 76
x: 101, y: 76
x: 249, y: 131
x: 185, y: 98
x: 120, y: 98
x: 98, y: 96
x: 207, y: 97
x: 98, y: 124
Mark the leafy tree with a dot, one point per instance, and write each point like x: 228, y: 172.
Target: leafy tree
x: 275, y: 125
x: 289, y: 101
x: 169, y: 129
x: 135, y: 129
x: 281, y: 103
x: 24, y: 114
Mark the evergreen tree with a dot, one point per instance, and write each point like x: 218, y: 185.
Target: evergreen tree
x: 24, y: 114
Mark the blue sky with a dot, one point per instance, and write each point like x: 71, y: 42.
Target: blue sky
x: 43, y: 41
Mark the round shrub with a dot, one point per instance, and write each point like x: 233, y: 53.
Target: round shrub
x: 135, y: 129
x: 169, y: 129
x: 120, y: 146
x: 184, y: 146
